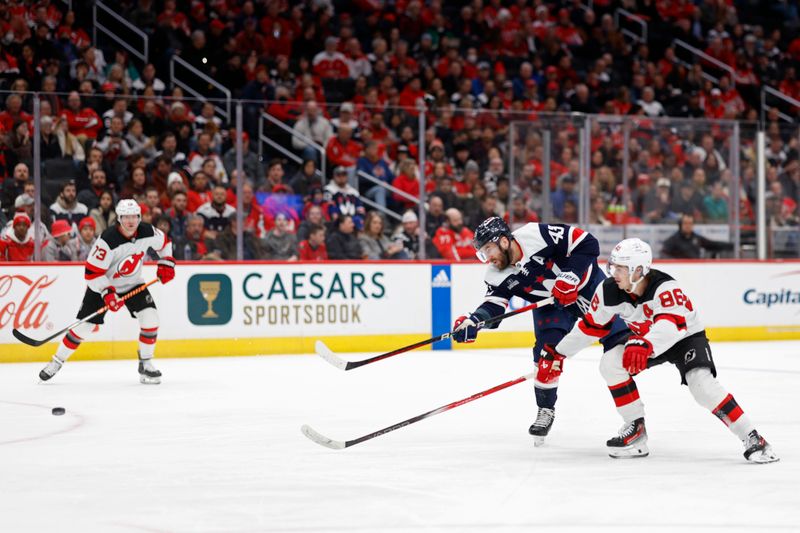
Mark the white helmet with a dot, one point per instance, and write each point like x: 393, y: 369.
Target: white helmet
x: 632, y: 253
x: 128, y: 207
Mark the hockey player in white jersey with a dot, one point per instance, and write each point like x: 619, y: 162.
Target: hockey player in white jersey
x: 666, y: 328
x: 113, y: 269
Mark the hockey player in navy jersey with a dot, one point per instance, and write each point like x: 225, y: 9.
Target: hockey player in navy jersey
x: 113, y: 269
x: 666, y: 329
x: 535, y: 262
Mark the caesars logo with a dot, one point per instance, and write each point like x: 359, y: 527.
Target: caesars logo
x: 210, y: 299
x: 21, y: 304
x: 309, y: 298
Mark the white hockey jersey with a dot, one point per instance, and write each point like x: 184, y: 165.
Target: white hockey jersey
x: 663, y: 315
x: 116, y: 260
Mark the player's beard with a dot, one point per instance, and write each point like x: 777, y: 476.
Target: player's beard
x: 505, y: 258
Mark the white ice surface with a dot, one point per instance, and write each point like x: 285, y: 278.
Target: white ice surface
x: 217, y: 448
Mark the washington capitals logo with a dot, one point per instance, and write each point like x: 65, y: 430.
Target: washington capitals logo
x: 129, y: 266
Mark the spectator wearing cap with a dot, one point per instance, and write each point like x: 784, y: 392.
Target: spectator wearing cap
x: 437, y: 155
x: 686, y: 244
x: 87, y: 236
x: 250, y: 164
x: 372, y: 164
x: 12, y: 188
x: 61, y: 247
x: 346, y: 118
x: 313, y: 125
x: 454, y: 240
x: 407, y: 234
x: 17, y: 242
x: 330, y: 63
x: 564, y: 193
x: 217, y: 212
x: 67, y: 207
x: 657, y: 207
x: 313, y: 248
x: 343, y: 198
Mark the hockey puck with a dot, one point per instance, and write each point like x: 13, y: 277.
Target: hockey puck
x: 59, y: 411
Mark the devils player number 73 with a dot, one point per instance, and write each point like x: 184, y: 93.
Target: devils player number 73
x: 675, y: 297
x: 99, y: 253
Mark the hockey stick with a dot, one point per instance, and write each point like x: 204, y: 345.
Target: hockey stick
x: 322, y: 440
x: 33, y: 342
x: 326, y: 353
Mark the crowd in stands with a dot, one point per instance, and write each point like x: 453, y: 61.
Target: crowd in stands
x: 354, y: 77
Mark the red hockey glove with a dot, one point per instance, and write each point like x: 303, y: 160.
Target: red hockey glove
x: 565, y: 291
x: 637, y: 351
x: 551, y: 364
x: 166, y: 269
x: 113, y: 302
x: 465, y: 329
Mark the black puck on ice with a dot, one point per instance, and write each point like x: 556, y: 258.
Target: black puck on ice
x: 59, y: 411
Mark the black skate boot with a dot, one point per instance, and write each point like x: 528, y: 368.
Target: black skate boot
x: 758, y: 450
x: 541, y: 426
x: 51, y: 369
x: 148, y: 374
x: 631, y: 441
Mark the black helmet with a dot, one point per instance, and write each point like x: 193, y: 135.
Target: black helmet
x: 490, y: 230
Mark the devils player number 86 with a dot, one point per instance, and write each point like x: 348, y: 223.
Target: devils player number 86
x: 675, y: 297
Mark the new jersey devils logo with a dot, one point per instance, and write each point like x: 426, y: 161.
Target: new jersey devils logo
x: 130, y: 265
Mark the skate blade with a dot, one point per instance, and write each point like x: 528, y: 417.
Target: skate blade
x: 538, y: 442
x: 629, y: 452
x: 144, y: 380
x: 763, y: 458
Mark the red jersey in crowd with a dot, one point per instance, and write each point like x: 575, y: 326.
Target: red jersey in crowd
x: 306, y: 253
x: 454, y: 246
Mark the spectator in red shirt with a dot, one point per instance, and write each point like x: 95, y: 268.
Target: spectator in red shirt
x: 16, y: 244
x: 330, y: 63
x: 83, y: 122
x: 14, y: 114
x: 408, y: 182
x: 520, y: 214
x: 454, y: 241
x: 342, y: 150
x: 313, y: 248
x: 412, y: 96
x: 200, y: 192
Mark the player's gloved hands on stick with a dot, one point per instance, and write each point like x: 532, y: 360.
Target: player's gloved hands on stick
x: 551, y: 364
x: 112, y: 301
x: 165, y: 271
x: 637, y: 351
x: 465, y: 329
x: 565, y: 290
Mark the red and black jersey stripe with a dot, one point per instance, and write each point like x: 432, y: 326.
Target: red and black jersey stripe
x: 592, y: 328
x: 624, y: 393
x: 679, y: 321
x: 93, y: 272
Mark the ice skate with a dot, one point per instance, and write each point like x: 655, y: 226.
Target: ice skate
x: 541, y: 426
x: 148, y: 374
x: 758, y: 450
x: 631, y: 441
x: 51, y: 369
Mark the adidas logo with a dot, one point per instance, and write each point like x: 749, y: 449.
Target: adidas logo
x: 441, y: 279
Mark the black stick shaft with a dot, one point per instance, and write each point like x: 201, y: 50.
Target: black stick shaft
x: 443, y: 336
x: 435, y: 412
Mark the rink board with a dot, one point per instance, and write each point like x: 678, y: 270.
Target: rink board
x: 220, y: 309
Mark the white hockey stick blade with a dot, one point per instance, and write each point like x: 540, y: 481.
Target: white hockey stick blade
x: 321, y: 439
x: 326, y: 353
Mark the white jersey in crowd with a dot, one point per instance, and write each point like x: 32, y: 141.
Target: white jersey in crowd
x: 117, y: 260
x: 663, y: 315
